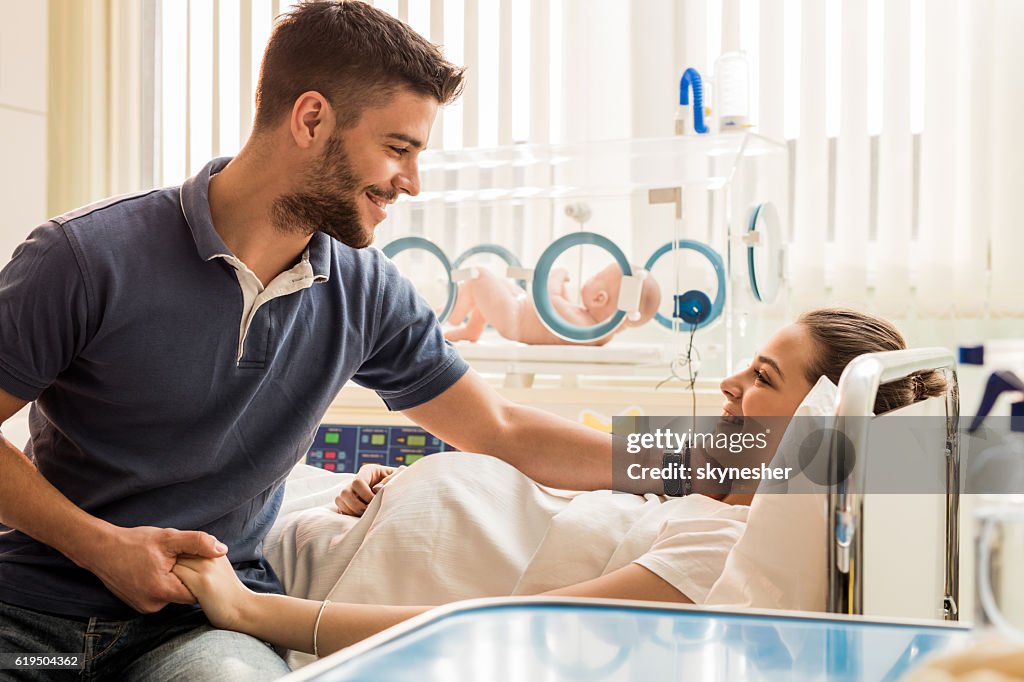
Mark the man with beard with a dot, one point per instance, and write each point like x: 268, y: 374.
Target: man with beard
x: 181, y: 346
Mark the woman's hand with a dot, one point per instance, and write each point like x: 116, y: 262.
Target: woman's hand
x: 213, y: 582
x: 355, y: 497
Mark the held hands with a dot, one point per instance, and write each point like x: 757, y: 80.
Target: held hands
x: 219, y: 591
x: 355, y: 497
x: 135, y: 564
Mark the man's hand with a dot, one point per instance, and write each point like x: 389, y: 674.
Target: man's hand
x: 354, y: 499
x: 135, y: 564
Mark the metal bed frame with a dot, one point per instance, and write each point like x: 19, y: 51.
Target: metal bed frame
x: 856, y: 397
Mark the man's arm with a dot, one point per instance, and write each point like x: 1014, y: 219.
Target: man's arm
x: 551, y: 450
x: 134, y: 563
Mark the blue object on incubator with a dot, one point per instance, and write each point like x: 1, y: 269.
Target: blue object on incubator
x: 972, y: 355
x: 401, y: 244
x: 692, y: 307
x: 998, y: 383
x: 691, y: 81
x: 716, y: 262
x: 542, y: 299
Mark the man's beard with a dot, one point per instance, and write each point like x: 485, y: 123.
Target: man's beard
x: 327, y: 202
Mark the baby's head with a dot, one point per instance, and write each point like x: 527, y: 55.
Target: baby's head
x: 600, y: 295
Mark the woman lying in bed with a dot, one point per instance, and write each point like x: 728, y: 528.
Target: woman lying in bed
x: 457, y: 525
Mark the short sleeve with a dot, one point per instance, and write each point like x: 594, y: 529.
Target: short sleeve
x: 407, y: 361
x: 44, y: 314
x: 690, y: 550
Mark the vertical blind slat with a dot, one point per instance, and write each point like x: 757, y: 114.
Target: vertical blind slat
x: 852, y: 188
x: 694, y: 37
x: 437, y: 37
x: 505, y: 72
x: 811, y: 211
x: 973, y: 176
x: 470, y: 93
x: 215, y: 82
x: 938, y: 158
x: 771, y: 69
x: 245, y: 90
x: 1007, y: 292
x: 895, y: 165
x: 730, y: 25
x: 539, y: 70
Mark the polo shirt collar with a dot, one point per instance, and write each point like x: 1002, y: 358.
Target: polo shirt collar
x: 195, y: 205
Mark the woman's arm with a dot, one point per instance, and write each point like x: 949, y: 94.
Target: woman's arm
x: 290, y: 621
x: 281, y: 620
x: 629, y: 582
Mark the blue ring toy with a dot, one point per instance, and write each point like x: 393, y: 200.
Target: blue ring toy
x: 495, y: 249
x: 751, y: 267
x: 542, y: 300
x: 751, y: 271
x: 405, y: 243
x: 716, y: 262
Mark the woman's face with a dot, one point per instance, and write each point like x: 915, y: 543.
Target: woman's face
x: 776, y: 381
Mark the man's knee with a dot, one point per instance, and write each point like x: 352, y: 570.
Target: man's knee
x: 210, y: 654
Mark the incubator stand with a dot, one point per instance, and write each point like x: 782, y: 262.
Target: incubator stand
x: 517, y: 639
x: 694, y: 198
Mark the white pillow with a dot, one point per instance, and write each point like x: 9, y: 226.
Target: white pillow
x: 779, y: 561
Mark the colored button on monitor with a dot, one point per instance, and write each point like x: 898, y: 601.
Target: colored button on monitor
x: 378, y: 439
x: 330, y: 454
x: 329, y: 466
x: 332, y: 437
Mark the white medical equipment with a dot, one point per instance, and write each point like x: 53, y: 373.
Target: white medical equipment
x: 856, y: 397
x: 622, y: 201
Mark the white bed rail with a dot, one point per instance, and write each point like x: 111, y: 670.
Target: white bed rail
x: 858, y: 387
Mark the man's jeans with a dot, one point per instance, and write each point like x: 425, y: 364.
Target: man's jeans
x: 178, y: 646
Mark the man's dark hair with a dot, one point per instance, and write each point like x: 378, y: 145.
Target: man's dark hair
x: 353, y: 54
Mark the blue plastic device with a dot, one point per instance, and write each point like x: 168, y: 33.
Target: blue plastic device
x: 691, y: 81
x: 692, y: 307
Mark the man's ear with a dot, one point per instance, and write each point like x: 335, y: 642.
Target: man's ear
x: 601, y: 297
x: 312, y: 119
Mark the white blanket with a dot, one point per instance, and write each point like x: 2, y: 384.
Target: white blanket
x: 456, y: 526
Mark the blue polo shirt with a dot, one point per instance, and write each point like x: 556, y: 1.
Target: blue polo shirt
x: 158, y: 404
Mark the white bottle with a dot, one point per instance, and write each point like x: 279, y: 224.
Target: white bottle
x: 732, y: 92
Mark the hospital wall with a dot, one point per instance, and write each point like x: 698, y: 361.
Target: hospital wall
x: 23, y: 120
x: 23, y: 137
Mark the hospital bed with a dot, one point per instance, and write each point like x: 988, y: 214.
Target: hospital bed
x: 856, y: 396
x: 574, y: 639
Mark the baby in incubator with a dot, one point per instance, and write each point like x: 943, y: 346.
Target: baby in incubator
x: 488, y: 298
